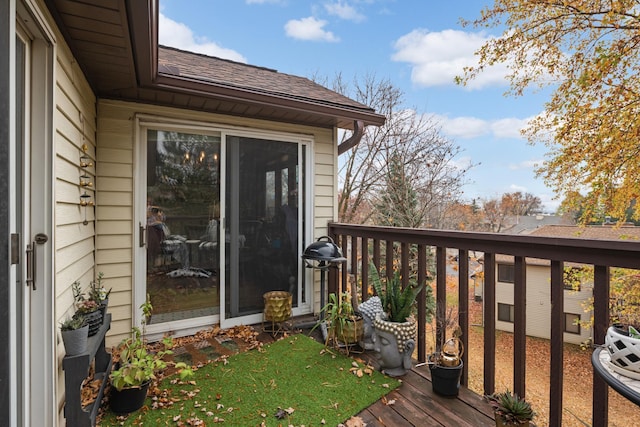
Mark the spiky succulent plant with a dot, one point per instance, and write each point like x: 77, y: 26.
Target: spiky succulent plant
x: 511, y: 408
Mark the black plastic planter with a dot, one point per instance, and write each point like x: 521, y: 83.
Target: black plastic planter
x: 445, y: 380
x: 128, y: 400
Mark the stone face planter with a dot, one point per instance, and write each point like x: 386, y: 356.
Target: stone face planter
x: 75, y: 341
x: 128, y: 400
x: 394, y: 343
x: 445, y: 380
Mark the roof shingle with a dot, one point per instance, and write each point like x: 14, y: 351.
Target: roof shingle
x: 209, y: 69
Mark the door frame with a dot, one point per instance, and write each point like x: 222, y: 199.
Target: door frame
x: 142, y: 122
x: 35, y: 326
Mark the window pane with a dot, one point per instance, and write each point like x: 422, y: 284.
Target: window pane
x: 506, y: 273
x: 571, y: 324
x: 505, y: 312
x: 183, y: 212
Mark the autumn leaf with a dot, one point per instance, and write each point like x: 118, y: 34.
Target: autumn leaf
x: 355, y: 422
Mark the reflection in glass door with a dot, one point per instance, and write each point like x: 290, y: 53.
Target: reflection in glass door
x: 183, y: 223
x: 264, y: 214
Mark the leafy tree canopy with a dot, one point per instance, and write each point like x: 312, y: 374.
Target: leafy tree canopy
x: 588, y: 51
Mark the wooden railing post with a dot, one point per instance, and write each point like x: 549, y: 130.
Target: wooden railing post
x: 489, y: 323
x: 422, y: 304
x: 463, y: 309
x: 601, y: 284
x: 557, y: 342
x: 519, y: 326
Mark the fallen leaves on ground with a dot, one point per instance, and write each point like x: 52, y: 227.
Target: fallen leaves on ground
x: 353, y: 422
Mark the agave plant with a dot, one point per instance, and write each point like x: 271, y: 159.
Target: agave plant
x: 397, y: 303
x: 511, y: 408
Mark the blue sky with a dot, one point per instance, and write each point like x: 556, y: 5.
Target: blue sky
x: 419, y: 45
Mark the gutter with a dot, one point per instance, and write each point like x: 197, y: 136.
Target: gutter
x: 358, y: 132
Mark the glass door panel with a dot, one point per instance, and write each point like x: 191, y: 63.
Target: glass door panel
x: 263, y: 222
x: 183, y: 222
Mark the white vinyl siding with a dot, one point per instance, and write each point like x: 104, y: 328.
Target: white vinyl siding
x: 74, y: 124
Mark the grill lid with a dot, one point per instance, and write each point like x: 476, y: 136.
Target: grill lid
x: 323, y: 250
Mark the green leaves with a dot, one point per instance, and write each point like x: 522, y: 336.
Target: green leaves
x: 398, y: 303
x: 510, y: 407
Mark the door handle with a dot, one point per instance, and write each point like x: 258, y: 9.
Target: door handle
x: 141, y: 235
x: 31, y: 265
x: 39, y: 239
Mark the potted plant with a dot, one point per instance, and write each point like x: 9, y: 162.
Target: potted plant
x: 137, y: 366
x: 394, y: 329
x: 344, y: 325
x: 99, y: 294
x: 623, y: 345
x: 510, y: 409
x: 75, y: 333
x: 87, y: 309
x: 134, y: 371
x: 445, y: 362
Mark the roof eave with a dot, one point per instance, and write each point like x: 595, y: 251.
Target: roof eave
x: 221, y: 91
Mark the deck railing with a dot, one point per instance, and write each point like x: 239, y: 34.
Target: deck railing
x: 394, y: 247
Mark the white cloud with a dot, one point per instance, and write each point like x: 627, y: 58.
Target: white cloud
x: 525, y: 164
x: 473, y: 127
x: 464, y: 127
x: 438, y: 57
x: 520, y: 188
x: 344, y: 11
x: 509, y: 127
x: 178, y: 35
x: 309, y: 29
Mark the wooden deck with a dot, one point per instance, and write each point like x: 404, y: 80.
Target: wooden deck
x: 415, y: 404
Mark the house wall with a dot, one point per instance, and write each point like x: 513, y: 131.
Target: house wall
x: 116, y: 169
x: 74, y: 124
x: 539, y: 304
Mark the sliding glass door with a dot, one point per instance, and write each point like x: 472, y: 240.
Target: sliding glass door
x: 224, y: 224
x: 265, y: 213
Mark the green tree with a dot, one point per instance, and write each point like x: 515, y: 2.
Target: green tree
x: 588, y: 51
x: 398, y: 204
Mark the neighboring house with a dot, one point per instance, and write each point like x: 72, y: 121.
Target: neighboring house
x: 529, y: 223
x: 538, y: 295
x: 179, y: 150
